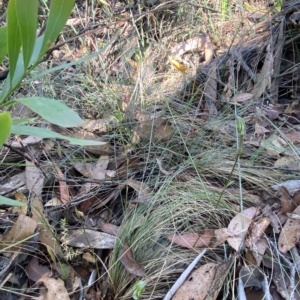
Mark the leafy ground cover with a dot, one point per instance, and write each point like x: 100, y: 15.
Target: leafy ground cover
x: 198, y: 106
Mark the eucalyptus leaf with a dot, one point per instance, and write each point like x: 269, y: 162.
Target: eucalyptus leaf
x: 53, y: 111
x: 27, y: 12
x: 14, y: 37
x: 59, y: 13
x: 10, y: 202
x: 5, y: 127
x: 47, y: 133
x: 3, y: 42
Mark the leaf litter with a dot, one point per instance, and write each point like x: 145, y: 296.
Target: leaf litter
x: 82, y: 201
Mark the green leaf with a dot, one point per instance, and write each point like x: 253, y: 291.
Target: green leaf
x: 22, y: 121
x: 10, y: 202
x: 5, y: 127
x: 53, y: 111
x: 3, y: 42
x: 46, y: 133
x: 14, y: 37
x: 59, y: 13
x: 27, y: 12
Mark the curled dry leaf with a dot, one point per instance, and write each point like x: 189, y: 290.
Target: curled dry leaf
x: 130, y: 264
x: 290, y: 233
x: 179, y: 66
x: 239, y: 226
x: 54, y: 289
x: 198, y: 284
x: 257, y: 231
x: 192, y: 44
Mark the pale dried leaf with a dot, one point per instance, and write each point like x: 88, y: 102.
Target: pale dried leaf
x: 21, y: 210
x: 130, y: 264
x: 55, y: 289
x: 35, y: 271
x: 239, y: 226
x: 143, y: 191
x: 100, y: 125
x: 23, y: 228
x: 290, y: 233
x: 53, y: 202
x: 287, y: 204
x: 198, y: 284
x: 34, y: 178
x: 90, y: 239
x: 290, y: 162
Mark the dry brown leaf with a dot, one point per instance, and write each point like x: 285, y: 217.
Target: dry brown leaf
x: 143, y: 191
x: 55, y: 289
x: 35, y: 271
x: 87, y: 238
x: 239, y: 226
x: 109, y: 228
x: 290, y: 233
x: 287, y: 205
x: 130, y: 264
x: 63, y: 187
x: 290, y: 162
x: 198, y: 284
x: 34, y: 178
x: 23, y: 228
x: 257, y: 231
x: 100, y: 125
x: 292, y: 186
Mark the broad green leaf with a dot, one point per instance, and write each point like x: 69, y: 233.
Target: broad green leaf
x: 59, y: 13
x: 5, y: 127
x: 27, y: 13
x: 14, y: 38
x: 53, y: 111
x: 36, y: 50
x: 10, y: 202
x: 46, y: 133
x: 3, y: 42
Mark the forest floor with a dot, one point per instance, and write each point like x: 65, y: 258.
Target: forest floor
x: 198, y: 103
